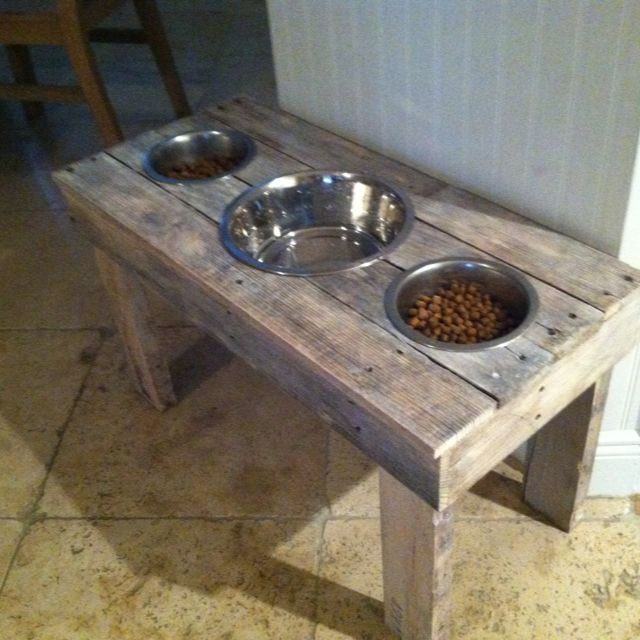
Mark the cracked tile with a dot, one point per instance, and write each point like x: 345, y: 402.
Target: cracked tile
x: 9, y: 535
x: 235, y: 445
x: 40, y: 375
x: 165, y: 580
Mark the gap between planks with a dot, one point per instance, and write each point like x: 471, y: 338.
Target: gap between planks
x: 137, y: 146
x: 494, y: 398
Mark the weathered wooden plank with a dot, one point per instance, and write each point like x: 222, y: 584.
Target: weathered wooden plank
x: 400, y: 452
x: 267, y: 163
x: 504, y: 234
x: 562, y: 321
x: 148, y: 366
x: 561, y: 457
x: 358, y: 355
x: 468, y: 456
x: 499, y: 372
x: 317, y: 147
x: 416, y: 563
x: 550, y: 256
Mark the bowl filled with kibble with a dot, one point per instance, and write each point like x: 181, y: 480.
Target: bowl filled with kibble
x: 461, y: 304
x: 199, y: 155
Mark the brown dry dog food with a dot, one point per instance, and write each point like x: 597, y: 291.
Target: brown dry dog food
x: 205, y: 168
x: 460, y: 312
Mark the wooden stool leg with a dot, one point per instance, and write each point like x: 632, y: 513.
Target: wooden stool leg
x: 561, y: 458
x: 416, y: 563
x: 22, y: 69
x: 152, y: 24
x: 76, y: 42
x: 129, y: 304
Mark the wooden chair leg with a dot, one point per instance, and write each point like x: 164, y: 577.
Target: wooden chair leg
x: 416, y: 563
x: 151, y: 20
x: 78, y: 48
x: 23, y: 73
x: 147, y: 364
x: 561, y: 458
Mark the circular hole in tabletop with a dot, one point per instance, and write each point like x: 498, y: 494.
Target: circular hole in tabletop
x: 199, y: 155
x: 508, y: 289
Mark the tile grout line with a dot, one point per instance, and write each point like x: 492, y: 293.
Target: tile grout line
x: 100, y: 329
x: 106, y: 330
x: 231, y: 518
x: 31, y: 517
x: 321, y: 519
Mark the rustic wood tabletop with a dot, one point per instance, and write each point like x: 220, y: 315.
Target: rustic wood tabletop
x: 436, y: 421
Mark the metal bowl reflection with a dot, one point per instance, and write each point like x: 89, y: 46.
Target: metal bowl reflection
x: 232, y: 149
x: 510, y: 287
x: 316, y: 222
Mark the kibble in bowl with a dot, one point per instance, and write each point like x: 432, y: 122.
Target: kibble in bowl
x: 199, y: 155
x: 461, y: 304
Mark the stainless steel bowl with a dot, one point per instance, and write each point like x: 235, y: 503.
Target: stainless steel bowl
x: 512, y: 289
x: 223, y: 144
x: 316, y: 222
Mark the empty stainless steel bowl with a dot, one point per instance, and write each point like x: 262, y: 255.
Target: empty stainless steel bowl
x: 508, y: 286
x: 231, y: 147
x: 316, y: 222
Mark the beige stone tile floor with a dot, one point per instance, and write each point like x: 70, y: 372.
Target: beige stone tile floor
x: 235, y: 515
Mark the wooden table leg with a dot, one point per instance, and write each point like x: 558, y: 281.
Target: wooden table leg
x: 148, y: 366
x: 151, y: 21
x: 416, y: 563
x: 23, y: 72
x: 561, y: 457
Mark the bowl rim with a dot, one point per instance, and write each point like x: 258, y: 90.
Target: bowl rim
x: 251, y: 192
x: 250, y: 153
x: 393, y: 290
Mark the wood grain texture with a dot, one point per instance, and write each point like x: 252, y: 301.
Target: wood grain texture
x: 534, y: 249
x: 359, y: 354
x: 562, y: 320
x: 469, y: 457
x: 31, y: 93
x: 148, y: 366
x: 23, y: 73
x: 29, y: 28
x: 76, y: 42
x: 499, y: 374
x: 436, y: 421
x: 504, y: 234
x: 561, y: 457
x: 315, y: 146
x: 416, y: 563
x: 395, y: 450
x: 151, y: 20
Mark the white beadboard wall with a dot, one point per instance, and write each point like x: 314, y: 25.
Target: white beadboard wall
x: 534, y: 104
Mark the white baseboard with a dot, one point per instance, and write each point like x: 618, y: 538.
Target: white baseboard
x: 617, y: 467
